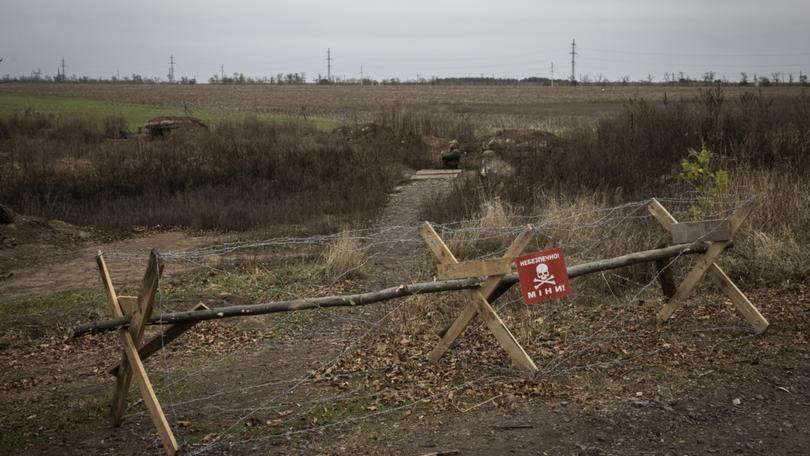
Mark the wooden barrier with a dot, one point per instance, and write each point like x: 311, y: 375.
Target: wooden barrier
x: 139, y: 310
x: 484, y: 281
x: 482, y: 299
x: 399, y: 291
x: 706, y: 264
x: 131, y: 363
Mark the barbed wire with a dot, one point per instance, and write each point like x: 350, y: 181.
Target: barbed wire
x: 379, y: 243
x: 375, y: 237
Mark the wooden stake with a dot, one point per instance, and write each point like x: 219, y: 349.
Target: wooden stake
x: 480, y: 303
x: 705, y: 264
x: 133, y: 361
x: 139, y: 317
x: 478, y: 268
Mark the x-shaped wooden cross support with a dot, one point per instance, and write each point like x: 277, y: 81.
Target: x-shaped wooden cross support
x: 482, y: 297
x: 706, y: 264
x: 132, y: 364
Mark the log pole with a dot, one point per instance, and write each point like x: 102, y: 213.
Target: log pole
x: 400, y: 291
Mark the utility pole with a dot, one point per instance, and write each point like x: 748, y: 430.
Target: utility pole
x: 329, y: 64
x: 573, y: 61
x: 552, y: 74
x: 63, y: 75
x: 361, y: 74
x: 171, y: 68
x: 221, y: 72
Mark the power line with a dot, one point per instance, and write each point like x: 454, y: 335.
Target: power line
x: 573, y: 61
x: 329, y: 64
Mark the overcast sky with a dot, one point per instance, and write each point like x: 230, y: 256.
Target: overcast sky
x: 405, y: 38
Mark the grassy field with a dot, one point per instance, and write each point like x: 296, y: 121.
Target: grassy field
x: 549, y: 108
x: 135, y: 114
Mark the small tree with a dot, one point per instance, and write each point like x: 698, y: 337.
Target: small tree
x: 696, y: 170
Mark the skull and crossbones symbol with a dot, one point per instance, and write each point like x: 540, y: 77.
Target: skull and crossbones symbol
x: 543, y: 276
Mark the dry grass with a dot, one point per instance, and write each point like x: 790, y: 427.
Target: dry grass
x: 483, y: 233
x: 238, y: 176
x: 345, y: 258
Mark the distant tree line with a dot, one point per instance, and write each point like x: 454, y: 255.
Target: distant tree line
x: 240, y: 78
x: 135, y: 78
x: 670, y: 78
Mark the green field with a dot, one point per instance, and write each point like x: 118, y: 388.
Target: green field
x: 134, y: 114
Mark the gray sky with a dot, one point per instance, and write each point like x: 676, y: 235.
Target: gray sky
x: 406, y: 38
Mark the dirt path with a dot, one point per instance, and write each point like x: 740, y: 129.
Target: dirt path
x: 395, y: 263
x: 253, y: 377
x: 77, y: 269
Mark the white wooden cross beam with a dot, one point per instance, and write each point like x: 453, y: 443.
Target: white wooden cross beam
x: 706, y: 264
x: 480, y: 304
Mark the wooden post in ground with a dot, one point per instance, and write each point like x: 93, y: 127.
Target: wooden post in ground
x: 706, y: 264
x: 480, y: 304
x: 132, y: 365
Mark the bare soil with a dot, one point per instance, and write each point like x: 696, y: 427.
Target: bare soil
x: 54, y: 256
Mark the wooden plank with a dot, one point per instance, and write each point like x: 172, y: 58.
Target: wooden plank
x: 436, y: 176
x: 487, y: 289
x: 139, y: 317
x: 701, y: 266
x: 117, y: 311
x: 709, y: 231
x: 436, y: 245
x: 142, y: 380
x: 515, y: 248
x: 128, y: 304
x: 146, y: 296
x: 163, y: 339
x: 740, y: 301
x: 477, y: 268
x: 148, y: 393
x: 502, y: 334
x: 438, y: 171
x: 112, y: 299
x: 661, y: 214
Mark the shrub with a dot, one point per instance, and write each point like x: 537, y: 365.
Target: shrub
x: 241, y: 175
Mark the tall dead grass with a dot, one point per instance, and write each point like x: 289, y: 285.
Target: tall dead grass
x: 344, y: 258
x: 241, y: 175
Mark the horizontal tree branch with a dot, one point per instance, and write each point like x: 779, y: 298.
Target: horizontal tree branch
x: 400, y: 291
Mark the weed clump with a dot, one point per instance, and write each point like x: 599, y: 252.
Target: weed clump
x: 344, y: 258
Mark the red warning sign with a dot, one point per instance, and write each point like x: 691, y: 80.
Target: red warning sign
x: 543, y: 276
